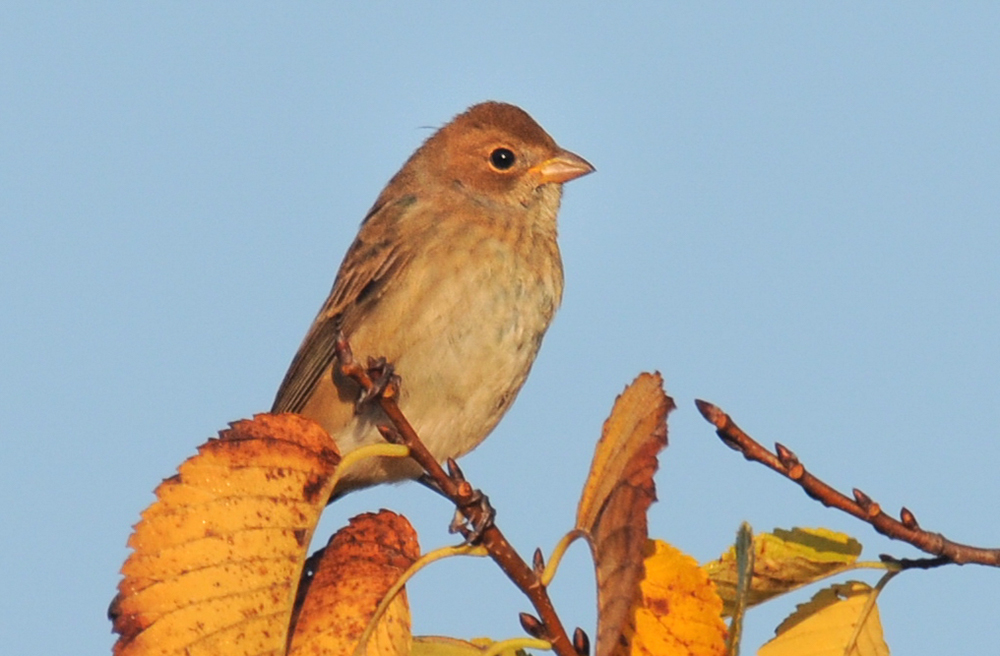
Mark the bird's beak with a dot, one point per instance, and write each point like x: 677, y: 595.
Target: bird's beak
x: 563, y: 167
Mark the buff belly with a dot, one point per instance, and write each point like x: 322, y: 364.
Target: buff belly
x: 469, y: 341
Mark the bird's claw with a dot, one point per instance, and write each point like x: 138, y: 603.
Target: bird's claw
x: 380, y: 372
x: 467, y: 498
x: 473, y: 531
x: 384, y: 380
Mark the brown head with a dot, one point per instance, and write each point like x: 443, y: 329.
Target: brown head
x: 494, y: 152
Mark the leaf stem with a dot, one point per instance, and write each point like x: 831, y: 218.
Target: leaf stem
x: 516, y: 643
x: 423, y: 561
x: 867, y: 609
x: 365, y: 452
x: 553, y: 563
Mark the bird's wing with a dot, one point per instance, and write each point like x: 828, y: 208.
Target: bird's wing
x: 374, y: 259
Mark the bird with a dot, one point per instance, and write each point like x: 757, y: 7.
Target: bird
x: 454, y: 277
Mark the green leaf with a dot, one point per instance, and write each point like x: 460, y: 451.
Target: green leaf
x: 784, y: 561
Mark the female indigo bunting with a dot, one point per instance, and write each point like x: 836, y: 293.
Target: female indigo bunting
x: 454, y: 277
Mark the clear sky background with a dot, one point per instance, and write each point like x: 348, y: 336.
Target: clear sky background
x: 795, y: 215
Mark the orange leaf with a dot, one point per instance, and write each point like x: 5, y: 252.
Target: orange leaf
x: 618, y: 492
x: 217, y: 558
x: 355, y: 570
x: 679, y: 612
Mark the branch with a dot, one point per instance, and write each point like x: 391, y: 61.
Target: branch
x: 469, y: 501
x: 861, y: 506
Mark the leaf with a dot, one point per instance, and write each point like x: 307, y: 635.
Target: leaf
x: 618, y: 492
x: 785, y: 560
x: 354, y: 572
x: 217, y: 557
x: 443, y: 646
x: 678, y: 613
x: 824, y: 625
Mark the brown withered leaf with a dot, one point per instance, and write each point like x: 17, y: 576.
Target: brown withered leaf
x: 217, y: 557
x: 618, y: 492
x: 353, y: 573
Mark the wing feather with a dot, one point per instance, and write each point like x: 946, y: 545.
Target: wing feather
x: 373, y: 261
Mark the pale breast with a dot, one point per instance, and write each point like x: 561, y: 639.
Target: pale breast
x: 469, y: 316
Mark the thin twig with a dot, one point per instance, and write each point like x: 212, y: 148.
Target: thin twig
x: 466, y: 498
x: 905, y: 529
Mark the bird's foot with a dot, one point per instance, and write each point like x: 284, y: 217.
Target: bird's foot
x: 385, y: 382
x: 381, y: 376
x: 473, y: 531
x: 468, y: 498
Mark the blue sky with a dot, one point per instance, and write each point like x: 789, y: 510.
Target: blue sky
x: 794, y: 216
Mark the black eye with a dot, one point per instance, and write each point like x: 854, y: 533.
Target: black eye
x: 502, y: 159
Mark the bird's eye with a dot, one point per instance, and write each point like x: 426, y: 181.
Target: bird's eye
x: 502, y: 159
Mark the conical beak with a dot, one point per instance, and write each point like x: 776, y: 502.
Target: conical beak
x: 563, y: 167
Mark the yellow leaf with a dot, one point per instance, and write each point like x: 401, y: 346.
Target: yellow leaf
x: 352, y: 574
x: 679, y: 613
x: 618, y: 492
x: 824, y: 625
x: 216, y: 559
x: 443, y: 646
x: 785, y: 560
